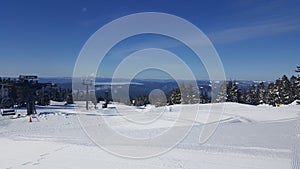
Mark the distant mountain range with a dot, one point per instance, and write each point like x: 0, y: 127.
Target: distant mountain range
x: 143, y: 86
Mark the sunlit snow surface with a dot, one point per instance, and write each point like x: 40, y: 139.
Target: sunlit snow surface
x: 248, y: 137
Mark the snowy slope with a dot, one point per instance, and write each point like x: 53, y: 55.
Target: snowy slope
x: 249, y: 137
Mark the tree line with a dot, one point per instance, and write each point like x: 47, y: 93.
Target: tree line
x: 184, y: 94
x: 282, y: 91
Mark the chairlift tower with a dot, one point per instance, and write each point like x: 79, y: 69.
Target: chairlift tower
x: 30, y: 85
x: 87, y: 84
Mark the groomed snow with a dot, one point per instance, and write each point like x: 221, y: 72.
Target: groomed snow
x: 248, y: 137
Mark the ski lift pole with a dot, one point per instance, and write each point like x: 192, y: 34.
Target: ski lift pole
x: 87, y: 84
x: 30, y: 103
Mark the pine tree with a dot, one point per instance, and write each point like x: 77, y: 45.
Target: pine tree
x: 222, y: 93
x: 193, y: 94
x: 298, y: 69
x: 270, y: 94
x: 229, y: 86
x: 296, y: 85
x: 184, y: 94
x: 175, y: 96
x: 235, y: 92
x: 141, y: 100
x: 261, y: 92
x: 243, y: 97
x: 158, y: 99
x: 252, y: 96
x: 276, y: 94
x: 285, y: 91
x: 203, y: 97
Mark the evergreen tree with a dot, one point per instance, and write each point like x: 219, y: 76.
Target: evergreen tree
x: 261, y: 92
x: 158, y: 99
x: 295, y: 87
x: 243, y: 97
x: 270, y: 95
x: 188, y: 95
x: 184, y: 94
x: 192, y: 94
x: 229, y: 94
x: 141, y: 100
x: 235, y: 92
x: 175, y: 96
x: 298, y: 69
x: 222, y: 93
x: 285, y: 91
x: 252, y: 96
x: 277, y: 86
x: 203, y: 97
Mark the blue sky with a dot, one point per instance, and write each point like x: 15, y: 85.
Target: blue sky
x: 256, y: 40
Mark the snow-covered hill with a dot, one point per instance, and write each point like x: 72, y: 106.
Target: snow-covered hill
x: 248, y: 137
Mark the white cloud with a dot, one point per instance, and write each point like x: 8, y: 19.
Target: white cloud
x: 271, y: 18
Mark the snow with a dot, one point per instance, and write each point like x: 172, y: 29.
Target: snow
x: 248, y: 137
